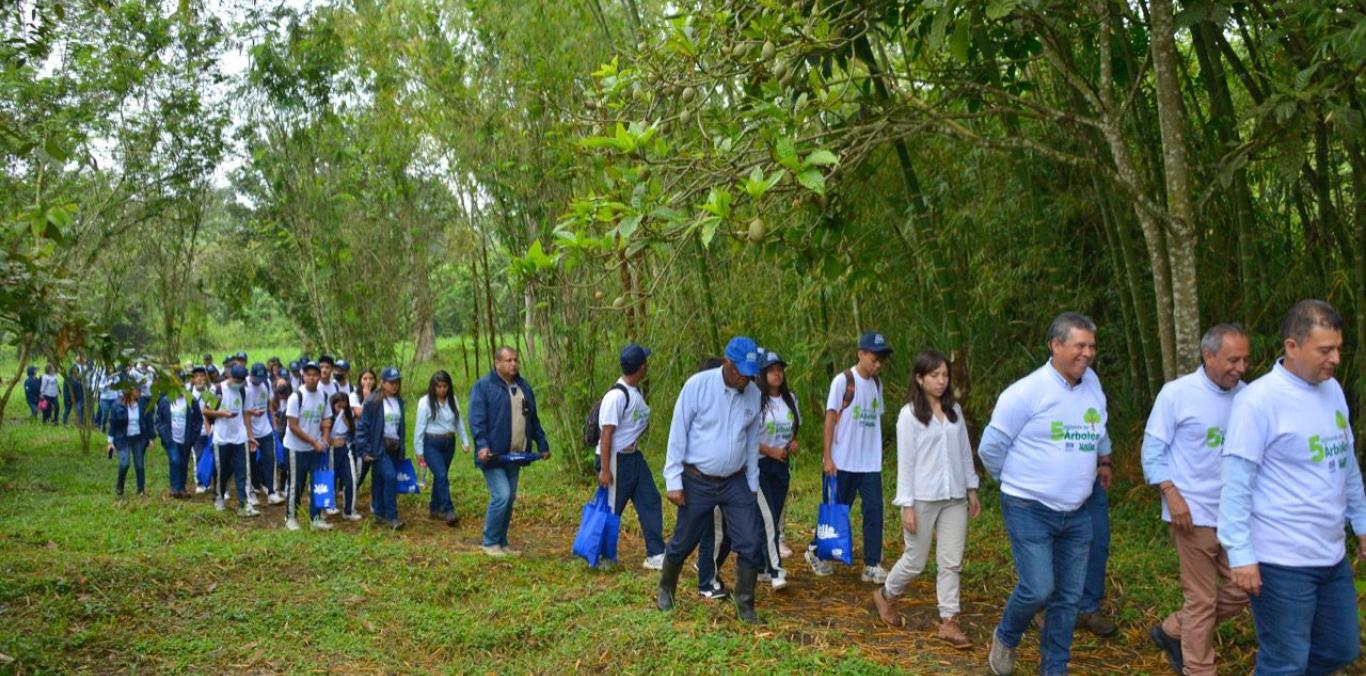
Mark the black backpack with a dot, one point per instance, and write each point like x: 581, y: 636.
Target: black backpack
x: 592, y: 432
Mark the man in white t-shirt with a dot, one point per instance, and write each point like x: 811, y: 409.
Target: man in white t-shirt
x: 307, y: 424
x: 623, y: 417
x: 1181, y: 445
x: 258, y: 393
x: 1291, y: 481
x: 853, y: 449
x: 1047, y: 445
x: 230, y: 440
x: 326, y: 385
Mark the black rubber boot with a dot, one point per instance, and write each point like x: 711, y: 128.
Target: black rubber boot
x: 745, y: 578
x: 123, y: 476
x: 668, y: 582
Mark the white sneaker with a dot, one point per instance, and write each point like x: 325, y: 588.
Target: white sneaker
x: 219, y: 505
x: 200, y: 489
x: 352, y: 517
x: 275, y: 499
x: 655, y: 562
x: 874, y: 574
x: 292, y: 524
x: 764, y: 577
x: 493, y: 550
x: 320, y: 523
x: 819, y: 567
x: 780, y: 580
x: 783, y: 550
x: 332, y: 511
x: 251, y: 498
x: 248, y: 511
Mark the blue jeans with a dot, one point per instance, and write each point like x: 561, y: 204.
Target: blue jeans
x: 774, y: 477
x: 176, y: 456
x: 439, y: 452
x: 384, y: 487
x: 232, y: 463
x: 502, y: 482
x: 134, y: 450
x: 102, y: 414
x: 1050, y: 549
x: 867, y: 486
x: 1306, y: 619
x: 634, y: 483
x: 1094, y: 590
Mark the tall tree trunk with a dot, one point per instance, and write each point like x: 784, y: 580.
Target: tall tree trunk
x: 24, y: 348
x: 1180, y: 223
x: 425, y: 341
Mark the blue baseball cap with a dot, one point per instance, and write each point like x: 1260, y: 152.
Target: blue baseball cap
x: 771, y: 358
x: 342, y: 366
x: 390, y: 373
x: 294, y: 366
x: 309, y: 366
x: 258, y: 371
x: 875, y: 343
x: 633, y: 357
x: 237, y: 372
x: 198, y: 368
x: 744, y: 353
x: 240, y: 356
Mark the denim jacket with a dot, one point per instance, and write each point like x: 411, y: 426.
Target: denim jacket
x: 370, y: 426
x: 491, y: 416
x: 118, y: 422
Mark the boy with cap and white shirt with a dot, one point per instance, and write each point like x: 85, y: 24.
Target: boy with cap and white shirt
x: 231, y: 443
x: 623, y: 417
x: 1181, y: 445
x: 306, y: 413
x: 713, y: 461
x: 853, y: 450
x: 1291, y: 481
x: 258, y: 393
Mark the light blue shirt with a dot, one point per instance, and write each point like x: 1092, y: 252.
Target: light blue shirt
x: 715, y: 429
x: 445, y: 422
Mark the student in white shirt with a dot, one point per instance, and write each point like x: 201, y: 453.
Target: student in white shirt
x: 936, y: 489
x: 306, y: 436
x: 231, y: 440
x: 438, y: 424
x: 341, y: 438
x: 779, y: 420
x: 1181, y: 445
x: 853, y: 450
x: 1291, y: 483
x: 623, y: 417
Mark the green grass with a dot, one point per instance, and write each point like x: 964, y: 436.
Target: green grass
x: 88, y: 582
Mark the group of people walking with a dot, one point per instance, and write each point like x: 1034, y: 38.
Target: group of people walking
x: 1257, y: 481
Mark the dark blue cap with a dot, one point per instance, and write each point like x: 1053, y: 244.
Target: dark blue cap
x: 237, y: 372
x: 633, y: 357
x: 390, y: 373
x: 240, y: 356
x: 309, y: 366
x: 744, y: 353
x: 294, y: 366
x: 198, y: 368
x: 208, y: 357
x: 342, y: 366
x: 258, y: 371
x: 771, y: 358
x: 327, y: 359
x: 874, y: 342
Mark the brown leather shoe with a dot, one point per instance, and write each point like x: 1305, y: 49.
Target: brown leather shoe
x: 1097, y: 624
x: 886, y: 609
x: 952, y: 635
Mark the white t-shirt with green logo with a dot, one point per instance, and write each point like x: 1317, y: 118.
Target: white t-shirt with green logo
x: 1191, y: 417
x: 392, y: 415
x: 258, y: 397
x: 631, y: 417
x: 777, y: 420
x: 1300, y: 438
x: 1056, y: 432
x: 857, y: 444
x: 230, y: 430
x: 309, y: 408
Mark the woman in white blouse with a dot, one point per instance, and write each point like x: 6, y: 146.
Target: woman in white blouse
x: 936, y: 489
x: 438, y: 425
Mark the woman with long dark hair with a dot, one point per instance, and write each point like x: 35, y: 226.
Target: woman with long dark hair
x: 379, y: 438
x: 365, y: 386
x: 779, y: 421
x: 438, y: 423
x: 340, y: 438
x: 936, y: 489
x: 131, y: 429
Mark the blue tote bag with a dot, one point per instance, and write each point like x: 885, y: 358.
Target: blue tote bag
x: 407, y: 477
x: 598, y: 529
x: 203, y: 472
x: 324, y: 479
x: 834, y: 537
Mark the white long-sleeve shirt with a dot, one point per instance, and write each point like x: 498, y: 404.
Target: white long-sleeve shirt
x: 934, y: 461
x: 447, y: 421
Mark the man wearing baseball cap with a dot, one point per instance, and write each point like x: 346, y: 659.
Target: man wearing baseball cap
x: 623, y: 417
x: 231, y: 441
x: 258, y: 393
x: 713, y: 461
x: 853, y: 449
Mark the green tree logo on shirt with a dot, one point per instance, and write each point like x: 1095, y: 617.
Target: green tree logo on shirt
x: 1341, y: 421
x: 1214, y: 437
x: 1092, y: 417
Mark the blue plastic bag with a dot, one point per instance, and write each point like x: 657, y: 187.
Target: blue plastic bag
x: 597, y: 536
x: 324, y: 479
x: 834, y: 537
x: 279, y: 450
x: 203, y: 472
x: 407, y: 477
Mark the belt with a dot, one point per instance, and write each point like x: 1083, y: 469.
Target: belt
x: 628, y: 450
x: 391, y: 444
x: 692, y: 470
x: 443, y: 435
